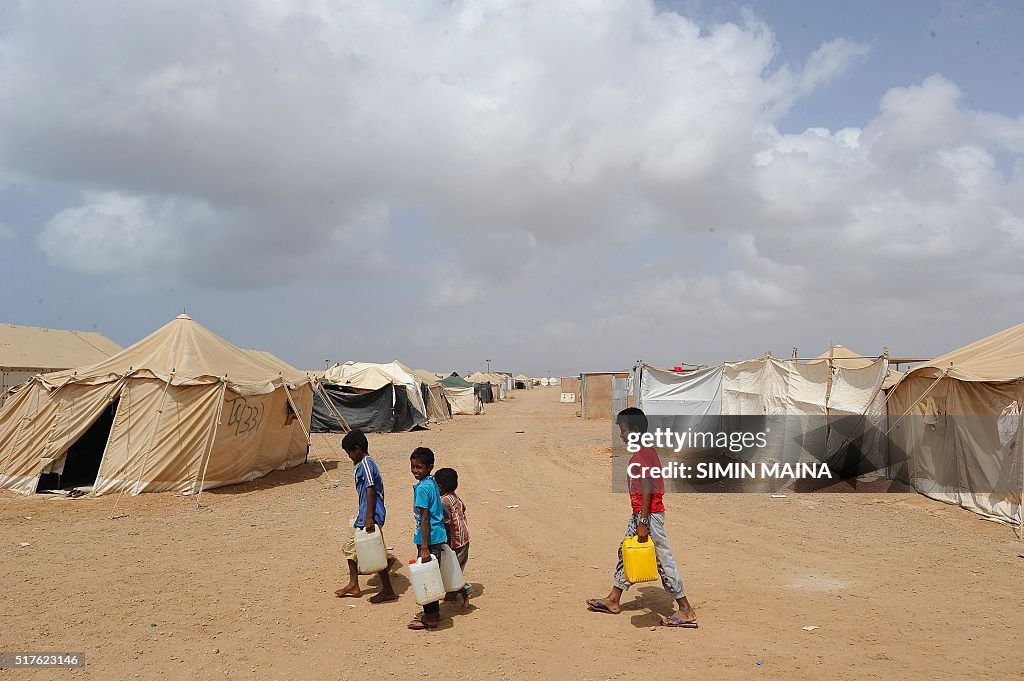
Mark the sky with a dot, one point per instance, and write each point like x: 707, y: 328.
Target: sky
x: 555, y: 187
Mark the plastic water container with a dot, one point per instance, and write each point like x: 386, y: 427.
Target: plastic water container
x: 639, y: 560
x: 371, y: 555
x: 451, y: 572
x: 427, y: 585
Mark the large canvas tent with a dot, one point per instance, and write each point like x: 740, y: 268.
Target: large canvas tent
x: 462, y: 395
x: 181, y: 410
x: 955, y: 426
x: 26, y: 351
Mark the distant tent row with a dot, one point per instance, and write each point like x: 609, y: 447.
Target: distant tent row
x: 951, y: 427
x: 184, y: 410
x: 181, y: 410
x: 393, y: 398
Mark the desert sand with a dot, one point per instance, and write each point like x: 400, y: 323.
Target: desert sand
x: 242, y: 586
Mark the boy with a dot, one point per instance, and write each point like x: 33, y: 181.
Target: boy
x: 455, y: 525
x: 648, y: 524
x: 430, y: 536
x: 372, y: 513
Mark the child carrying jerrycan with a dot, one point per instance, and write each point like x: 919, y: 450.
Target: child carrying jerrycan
x: 646, y: 526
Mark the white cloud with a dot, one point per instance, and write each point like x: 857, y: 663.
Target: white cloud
x: 237, y: 147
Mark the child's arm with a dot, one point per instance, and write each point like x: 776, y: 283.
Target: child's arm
x: 647, y: 488
x: 447, y: 519
x: 642, y: 531
x: 425, y: 535
x: 371, y: 506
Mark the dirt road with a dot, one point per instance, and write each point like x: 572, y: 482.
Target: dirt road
x: 899, y: 586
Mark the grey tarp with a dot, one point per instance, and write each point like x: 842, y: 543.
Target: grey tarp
x: 385, y: 410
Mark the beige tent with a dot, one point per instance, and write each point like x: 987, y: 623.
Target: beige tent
x: 956, y: 432
x: 438, y: 408
x: 181, y: 410
x: 28, y: 350
x: 844, y: 358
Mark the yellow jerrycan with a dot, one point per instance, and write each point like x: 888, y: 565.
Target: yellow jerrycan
x: 639, y: 560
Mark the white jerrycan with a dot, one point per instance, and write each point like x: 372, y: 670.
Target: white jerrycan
x: 371, y: 556
x: 426, y: 581
x: 451, y: 573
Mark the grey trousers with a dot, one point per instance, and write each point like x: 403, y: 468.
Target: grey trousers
x: 667, y: 569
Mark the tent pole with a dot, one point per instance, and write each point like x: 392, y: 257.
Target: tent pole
x: 146, y: 447
x: 327, y: 400
x: 213, y: 439
x: 288, y: 394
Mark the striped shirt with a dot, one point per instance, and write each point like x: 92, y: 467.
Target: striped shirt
x: 455, y: 519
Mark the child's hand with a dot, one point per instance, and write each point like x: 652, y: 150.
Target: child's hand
x: 369, y: 527
x: 642, y: 533
x: 425, y: 554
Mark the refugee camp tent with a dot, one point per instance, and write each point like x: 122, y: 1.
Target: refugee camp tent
x: 601, y: 392
x: 816, y: 411
x: 829, y: 409
x: 523, y: 382
x: 29, y: 350
x: 955, y: 426
x: 338, y: 409
x: 396, y: 403
x: 486, y: 387
x: 695, y: 396
x: 368, y: 376
x: 181, y: 410
x: 438, y: 408
x: 462, y: 395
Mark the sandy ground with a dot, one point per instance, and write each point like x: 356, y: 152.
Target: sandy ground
x: 242, y: 588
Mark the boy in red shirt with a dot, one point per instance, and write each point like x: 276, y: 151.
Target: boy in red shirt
x: 647, y: 523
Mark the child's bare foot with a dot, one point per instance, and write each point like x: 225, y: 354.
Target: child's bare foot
x: 348, y: 592
x: 384, y: 597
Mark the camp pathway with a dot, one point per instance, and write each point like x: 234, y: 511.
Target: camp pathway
x: 242, y: 588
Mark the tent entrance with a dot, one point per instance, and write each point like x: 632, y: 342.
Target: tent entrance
x: 82, y: 462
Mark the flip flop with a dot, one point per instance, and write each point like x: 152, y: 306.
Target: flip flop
x: 595, y: 605
x: 678, y: 622
x: 420, y: 625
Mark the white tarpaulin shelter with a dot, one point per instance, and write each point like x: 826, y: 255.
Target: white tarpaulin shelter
x: 813, y: 411
x: 181, y: 410
x: 664, y: 392
x: 368, y: 376
x: 956, y: 431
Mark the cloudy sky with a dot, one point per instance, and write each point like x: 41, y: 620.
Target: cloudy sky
x: 554, y: 186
